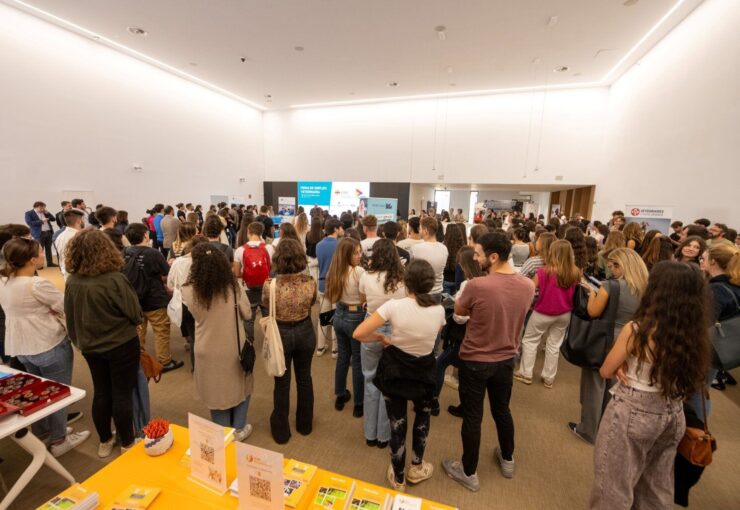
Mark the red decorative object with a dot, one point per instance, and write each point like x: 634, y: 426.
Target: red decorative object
x: 156, y: 428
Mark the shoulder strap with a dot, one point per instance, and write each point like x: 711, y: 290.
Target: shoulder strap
x: 236, y: 319
x: 613, y: 305
x: 273, y: 291
x: 734, y: 297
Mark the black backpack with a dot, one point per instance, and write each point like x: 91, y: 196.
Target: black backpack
x: 133, y: 270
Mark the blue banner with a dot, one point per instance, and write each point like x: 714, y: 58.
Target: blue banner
x: 312, y: 193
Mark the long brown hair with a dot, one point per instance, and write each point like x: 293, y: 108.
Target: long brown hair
x: 339, y: 269
x: 385, y: 258
x: 633, y: 232
x: 468, y: 263
x: 17, y: 252
x: 90, y: 253
x: 702, y: 247
x: 577, y: 240
x: 561, y: 264
x: 314, y: 233
x: 614, y: 240
x: 672, y: 328
x: 546, y: 239
x: 301, y: 224
x: 454, y: 240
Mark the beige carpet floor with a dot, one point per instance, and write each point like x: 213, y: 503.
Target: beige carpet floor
x: 554, y: 468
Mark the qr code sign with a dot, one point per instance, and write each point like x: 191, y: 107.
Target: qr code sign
x: 260, y: 488
x: 207, y: 453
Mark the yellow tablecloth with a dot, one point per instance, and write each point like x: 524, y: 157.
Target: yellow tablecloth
x: 168, y: 473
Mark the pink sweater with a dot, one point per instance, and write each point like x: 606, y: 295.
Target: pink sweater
x: 553, y: 300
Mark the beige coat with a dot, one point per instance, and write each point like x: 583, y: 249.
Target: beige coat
x: 220, y: 381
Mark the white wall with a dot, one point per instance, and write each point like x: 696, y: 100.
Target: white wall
x: 483, y: 139
x: 78, y: 116
x: 674, y: 123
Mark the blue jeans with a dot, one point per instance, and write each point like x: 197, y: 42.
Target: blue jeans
x: 345, y: 323
x: 54, y: 364
x: 235, y: 417
x: 255, y: 302
x: 445, y: 359
x: 695, y: 400
x: 376, y: 421
x: 449, y: 288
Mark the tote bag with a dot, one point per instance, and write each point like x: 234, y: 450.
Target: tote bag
x: 725, y: 337
x: 174, y: 308
x: 272, y: 347
x: 588, y: 340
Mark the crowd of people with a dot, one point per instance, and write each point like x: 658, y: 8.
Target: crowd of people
x: 400, y: 303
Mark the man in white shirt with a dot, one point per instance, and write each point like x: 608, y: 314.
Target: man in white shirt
x: 432, y: 251
x: 414, y: 235
x: 73, y: 218
x: 370, y: 227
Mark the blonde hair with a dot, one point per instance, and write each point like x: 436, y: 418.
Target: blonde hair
x: 727, y: 258
x: 634, y: 270
x: 614, y: 240
x: 546, y: 239
x: 633, y: 232
x: 561, y: 263
x: 301, y: 224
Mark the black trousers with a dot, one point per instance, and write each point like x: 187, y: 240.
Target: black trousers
x: 114, y: 374
x: 397, y: 415
x: 475, y: 378
x: 45, y: 241
x: 299, y: 342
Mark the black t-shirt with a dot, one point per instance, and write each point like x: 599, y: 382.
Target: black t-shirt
x: 269, y: 226
x: 181, y: 215
x: 404, y: 255
x: 155, y: 268
x: 675, y: 237
x: 226, y: 249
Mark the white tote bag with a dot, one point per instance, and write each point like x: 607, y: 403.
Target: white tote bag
x: 174, y: 308
x: 272, y: 346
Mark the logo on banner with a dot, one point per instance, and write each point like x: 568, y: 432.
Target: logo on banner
x: 635, y: 211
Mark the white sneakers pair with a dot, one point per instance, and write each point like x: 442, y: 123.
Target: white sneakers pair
x: 106, y: 449
x: 71, y: 440
x: 242, y: 434
x: 417, y: 473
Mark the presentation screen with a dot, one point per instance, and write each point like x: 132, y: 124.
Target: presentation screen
x: 335, y: 196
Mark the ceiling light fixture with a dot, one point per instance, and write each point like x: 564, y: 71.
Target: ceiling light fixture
x: 299, y: 48
x: 441, y: 32
x: 629, y: 3
x: 137, y: 31
x: 552, y: 21
x: 561, y: 69
x: 392, y: 84
x: 133, y: 53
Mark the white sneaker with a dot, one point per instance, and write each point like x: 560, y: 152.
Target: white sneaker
x: 334, y: 354
x: 72, y: 440
x: 452, y: 382
x: 507, y: 466
x: 241, y: 435
x: 320, y: 351
x: 419, y: 473
x: 124, y: 449
x: 105, y: 449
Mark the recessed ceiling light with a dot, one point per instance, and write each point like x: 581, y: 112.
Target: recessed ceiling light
x: 299, y: 48
x: 629, y: 3
x: 137, y: 31
x: 577, y: 74
x: 193, y: 64
x: 351, y: 93
x: 453, y: 84
x: 441, y: 32
x: 561, y: 69
x: 393, y: 84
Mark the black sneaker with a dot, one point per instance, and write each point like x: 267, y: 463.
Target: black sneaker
x: 340, y: 401
x: 729, y: 379
x: 357, y: 412
x: 382, y: 444
x: 73, y: 417
x: 574, y: 428
x: 371, y: 442
x: 172, y: 365
x: 718, y: 384
x: 435, y: 407
x: 455, y: 411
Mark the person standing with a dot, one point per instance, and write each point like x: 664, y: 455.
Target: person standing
x: 102, y: 313
x: 432, y: 251
x: 219, y: 307
x: 414, y: 236
x: 660, y: 358
x: 295, y: 294
x: 107, y: 216
x: 324, y: 254
x: 181, y: 212
x: 33, y: 310
x: 370, y: 228
x: 313, y: 237
x: 265, y: 219
x: 74, y: 219
x: 147, y: 271
x: 66, y: 206
x: 496, y: 304
x: 157, y: 224
x: 254, y: 264
x: 170, y: 226
x: 80, y: 205
x: 39, y: 221
x: 343, y: 289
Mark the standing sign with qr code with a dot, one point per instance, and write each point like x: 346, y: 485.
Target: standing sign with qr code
x: 260, y: 475
x: 207, y: 453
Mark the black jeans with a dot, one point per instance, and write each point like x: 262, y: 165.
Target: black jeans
x: 114, y: 374
x: 255, y: 302
x: 475, y: 378
x: 397, y: 415
x: 45, y: 242
x: 299, y: 342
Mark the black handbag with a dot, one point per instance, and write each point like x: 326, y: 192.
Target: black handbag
x: 327, y: 318
x: 247, y: 354
x: 589, y: 340
x: 725, y: 337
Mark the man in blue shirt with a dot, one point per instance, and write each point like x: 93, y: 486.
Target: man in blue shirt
x: 158, y: 226
x: 324, y: 253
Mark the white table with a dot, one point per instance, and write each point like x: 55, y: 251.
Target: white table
x: 16, y: 426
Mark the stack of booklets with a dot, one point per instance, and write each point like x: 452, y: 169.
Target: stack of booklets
x: 135, y: 498
x: 76, y: 497
x: 370, y: 497
x: 334, y: 493
x: 297, y: 477
x: 405, y: 502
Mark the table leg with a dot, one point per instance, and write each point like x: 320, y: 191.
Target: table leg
x: 41, y: 456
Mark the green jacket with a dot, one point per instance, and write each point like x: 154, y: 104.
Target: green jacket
x: 102, y: 311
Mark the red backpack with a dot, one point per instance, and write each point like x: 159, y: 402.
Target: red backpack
x: 255, y: 265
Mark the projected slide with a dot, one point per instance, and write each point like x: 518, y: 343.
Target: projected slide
x: 335, y: 196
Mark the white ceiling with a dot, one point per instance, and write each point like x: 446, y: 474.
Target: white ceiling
x: 353, y: 48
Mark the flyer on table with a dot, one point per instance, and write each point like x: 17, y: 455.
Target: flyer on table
x: 260, y: 475
x: 207, y: 453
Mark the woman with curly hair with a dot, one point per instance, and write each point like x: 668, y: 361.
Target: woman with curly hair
x: 660, y: 358
x: 382, y: 282
x: 577, y: 240
x: 102, y: 312
x: 634, y: 236
x: 219, y: 307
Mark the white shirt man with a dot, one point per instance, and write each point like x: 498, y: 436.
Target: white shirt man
x: 74, y: 219
x: 370, y: 226
x: 432, y: 251
x: 414, y: 236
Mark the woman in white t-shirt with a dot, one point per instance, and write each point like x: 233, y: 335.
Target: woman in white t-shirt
x: 407, y: 367
x: 343, y: 288
x: 382, y: 282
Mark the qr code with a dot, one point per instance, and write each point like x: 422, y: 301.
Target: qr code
x: 260, y: 488
x: 207, y: 453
